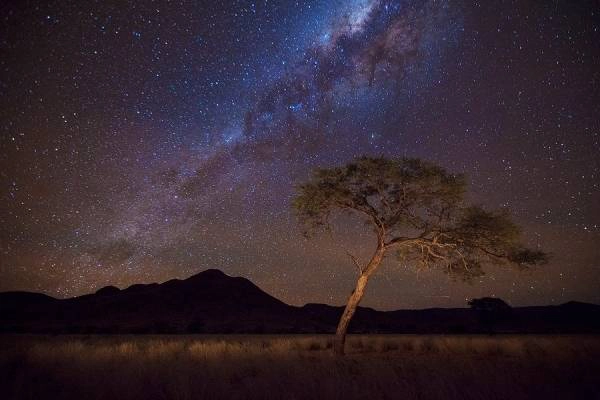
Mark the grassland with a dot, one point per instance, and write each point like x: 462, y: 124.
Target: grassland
x: 299, y: 367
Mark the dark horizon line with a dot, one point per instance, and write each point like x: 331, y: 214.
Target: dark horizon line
x: 216, y: 270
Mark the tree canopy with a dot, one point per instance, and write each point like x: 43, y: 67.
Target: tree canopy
x: 418, y: 209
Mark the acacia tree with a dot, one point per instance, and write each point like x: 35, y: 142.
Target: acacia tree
x: 416, y: 209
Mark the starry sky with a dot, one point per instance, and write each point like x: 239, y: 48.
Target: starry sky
x: 149, y: 140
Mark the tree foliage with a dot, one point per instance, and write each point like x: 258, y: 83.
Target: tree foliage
x: 418, y: 209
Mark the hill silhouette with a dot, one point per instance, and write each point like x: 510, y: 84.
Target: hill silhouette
x: 213, y: 302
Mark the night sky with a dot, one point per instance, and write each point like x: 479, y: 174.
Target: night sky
x: 145, y: 141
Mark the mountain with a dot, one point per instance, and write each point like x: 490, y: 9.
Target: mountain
x: 213, y: 302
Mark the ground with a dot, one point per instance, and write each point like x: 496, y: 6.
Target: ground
x: 299, y: 367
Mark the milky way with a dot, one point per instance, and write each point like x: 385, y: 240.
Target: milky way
x: 149, y: 141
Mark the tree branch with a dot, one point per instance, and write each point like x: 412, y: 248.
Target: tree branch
x: 355, y: 261
x: 369, y: 212
x: 405, y: 240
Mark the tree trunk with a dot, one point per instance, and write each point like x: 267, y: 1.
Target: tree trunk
x: 339, y: 341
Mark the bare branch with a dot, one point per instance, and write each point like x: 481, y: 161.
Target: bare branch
x: 355, y: 261
x: 463, y: 259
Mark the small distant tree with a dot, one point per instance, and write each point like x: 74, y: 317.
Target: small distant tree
x: 415, y: 209
x: 490, y: 311
x: 491, y: 304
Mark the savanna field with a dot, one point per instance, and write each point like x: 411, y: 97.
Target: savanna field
x: 300, y: 367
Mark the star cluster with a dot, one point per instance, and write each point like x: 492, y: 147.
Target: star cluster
x: 148, y: 140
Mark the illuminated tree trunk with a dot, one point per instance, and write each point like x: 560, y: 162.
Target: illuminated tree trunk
x: 339, y: 341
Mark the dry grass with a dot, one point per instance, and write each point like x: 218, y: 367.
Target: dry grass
x: 299, y: 367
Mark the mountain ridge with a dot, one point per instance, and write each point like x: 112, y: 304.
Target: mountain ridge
x: 214, y: 302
